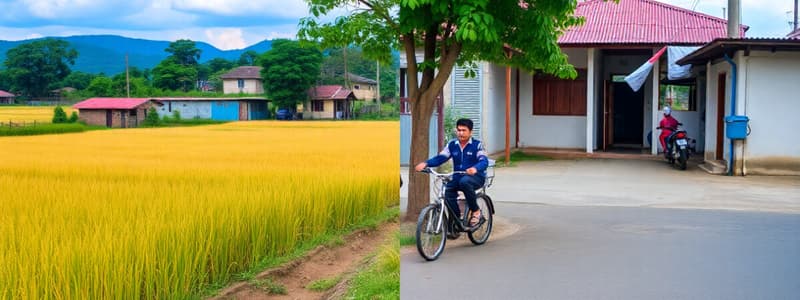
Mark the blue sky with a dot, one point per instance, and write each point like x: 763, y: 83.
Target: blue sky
x: 235, y: 24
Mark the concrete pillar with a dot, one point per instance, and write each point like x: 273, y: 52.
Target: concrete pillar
x: 590, y: 96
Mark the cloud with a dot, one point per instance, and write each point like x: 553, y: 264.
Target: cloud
x: 266, y: 8
x: 226, y: 38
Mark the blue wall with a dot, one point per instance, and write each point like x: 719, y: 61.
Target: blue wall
x: 225, y: 110
x: 258, y: 110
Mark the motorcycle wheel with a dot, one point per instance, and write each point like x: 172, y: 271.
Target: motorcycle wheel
x: 682, y: 158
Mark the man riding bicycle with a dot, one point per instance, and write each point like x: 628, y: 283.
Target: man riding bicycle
x: 469, y: 156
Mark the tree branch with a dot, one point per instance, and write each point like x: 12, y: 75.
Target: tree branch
x: 383, y: 13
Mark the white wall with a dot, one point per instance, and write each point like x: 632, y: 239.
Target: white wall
x: 494, y: 108
x: 251, y: 86
x: 188, y: 109
x: 772, y: 102
x: 547, y: 131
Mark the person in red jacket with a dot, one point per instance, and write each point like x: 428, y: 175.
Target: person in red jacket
x: 668, y: 125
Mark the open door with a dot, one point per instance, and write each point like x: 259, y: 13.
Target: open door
x: 608, y: 113
x: 720, y: 114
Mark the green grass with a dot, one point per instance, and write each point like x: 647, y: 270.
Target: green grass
x: 518, y: 156
x: 332, y: 238
x: 380, y: 280
x: 407, y: 240
x: 46, y: 128
x: 270, y: 286
x: 323, y: 284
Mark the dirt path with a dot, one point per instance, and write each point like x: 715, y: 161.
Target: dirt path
x: 324, y: 262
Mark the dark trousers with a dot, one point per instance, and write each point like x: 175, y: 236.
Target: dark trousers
x: 466, y: 184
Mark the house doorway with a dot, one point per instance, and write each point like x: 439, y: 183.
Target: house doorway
x: 720, y: 115
x: 623, y: 114
x: 108, y: 118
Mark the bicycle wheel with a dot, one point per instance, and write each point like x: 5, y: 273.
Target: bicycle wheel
x: 481, y: 235
x: 431, y: 232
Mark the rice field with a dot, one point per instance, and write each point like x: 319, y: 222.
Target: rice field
x: 165, y: 213
x: 42, y: 114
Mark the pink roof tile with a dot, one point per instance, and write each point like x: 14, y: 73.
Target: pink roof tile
x: 325, y: 92
x: 4, y: 94
x: 642, y: 22
x: 111, y: 103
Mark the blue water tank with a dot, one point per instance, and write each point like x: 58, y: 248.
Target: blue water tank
x: 736, y: 127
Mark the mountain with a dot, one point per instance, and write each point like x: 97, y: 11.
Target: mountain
x: 106, y: 53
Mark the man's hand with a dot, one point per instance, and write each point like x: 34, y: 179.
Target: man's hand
x: 472, y: 171
x: 420, y: 166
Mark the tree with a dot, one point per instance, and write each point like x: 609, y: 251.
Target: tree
x: 179, y: 70
x: 248, y: 58
x: 78, y: 80
x: 34, y: 66
x: 171, y: 75
x: 101, y: 86
x: 184, y: 52
x: 59, y: 116
x: 519, y: 33
x: 288, y: 71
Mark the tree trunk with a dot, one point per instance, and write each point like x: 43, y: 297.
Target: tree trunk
x: 419, y: 187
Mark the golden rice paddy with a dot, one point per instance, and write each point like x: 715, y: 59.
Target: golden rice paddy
x: 165, y: 213
x: 27, y: 114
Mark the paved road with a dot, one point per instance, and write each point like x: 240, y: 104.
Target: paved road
x: 637, y: 183
x: 571, y: 252
x: 624, y: 229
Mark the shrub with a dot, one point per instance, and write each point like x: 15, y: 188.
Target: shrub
x: 73, y: 118
x: 152, y: 117
x: 59, y: 116
x: 176, y: 115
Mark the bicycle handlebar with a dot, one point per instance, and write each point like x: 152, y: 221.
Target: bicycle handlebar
x: 437, y: 174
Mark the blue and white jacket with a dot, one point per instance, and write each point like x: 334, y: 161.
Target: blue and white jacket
x: 473, y: 155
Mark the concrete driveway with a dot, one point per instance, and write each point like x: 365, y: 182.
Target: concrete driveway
x: 636, y: 183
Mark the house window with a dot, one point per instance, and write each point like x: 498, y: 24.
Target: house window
x: 133, y: 112
x: 559, y: 97
x: 679, y: 97
x: 241, y: 83
x: 356, y: 87
x: 317, y: 105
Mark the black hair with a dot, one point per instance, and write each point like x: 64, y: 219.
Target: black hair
x: 464, y: 122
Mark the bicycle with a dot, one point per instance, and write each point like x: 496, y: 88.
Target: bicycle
x: 438, y: 219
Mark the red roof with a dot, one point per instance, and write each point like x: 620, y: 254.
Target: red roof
x: 111, y: 103
x: 642, y: 22
x: 326, y: 92
x: 4, y: 94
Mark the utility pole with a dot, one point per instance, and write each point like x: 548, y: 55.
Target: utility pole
x: 795, y: 15
x: 733, y: 18
x: 378, y: 75
x: 127, y: 77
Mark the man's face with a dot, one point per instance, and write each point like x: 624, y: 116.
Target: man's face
x: 463, y: 133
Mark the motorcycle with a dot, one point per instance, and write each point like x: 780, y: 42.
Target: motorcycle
x: 678, y: 147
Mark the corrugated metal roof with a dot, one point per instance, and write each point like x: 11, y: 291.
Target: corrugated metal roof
x: 243, y: 72
x: 111, y: 103
x: 5, y: 94
x: 795, y: 34
x: 326, y: 92
x: 642, y: 22
x: 720, y: 47
x: 359, y: 79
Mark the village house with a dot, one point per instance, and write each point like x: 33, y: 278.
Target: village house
x: 597, y: 111
x: 6, y: 97
x: 243, y: 80
x: 363, y: 88
x: 114, y: 112
x: 751, y: 104
x: 220, y: 109
x: 329, y: 102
